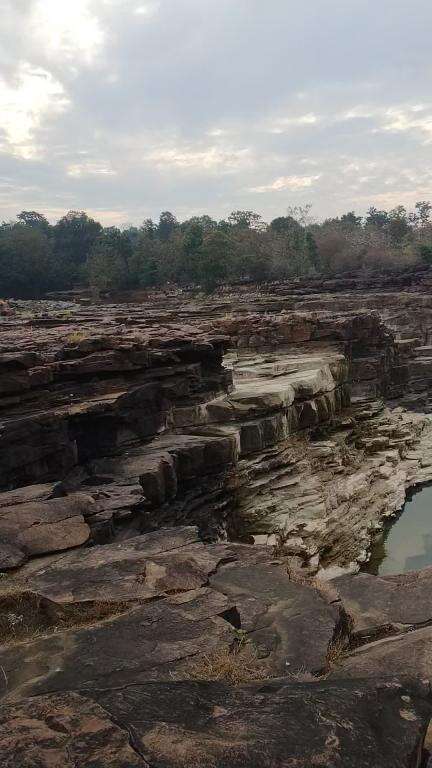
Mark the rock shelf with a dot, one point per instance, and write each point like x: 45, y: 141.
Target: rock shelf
x: 181, y: 482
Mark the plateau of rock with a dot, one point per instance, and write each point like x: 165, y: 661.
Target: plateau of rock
x: 188, y: 489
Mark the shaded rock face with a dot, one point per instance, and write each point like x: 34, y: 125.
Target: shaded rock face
x: 275, y: 724
x: 63, y: 731
x: 156, y: 427
x: 214, y: 726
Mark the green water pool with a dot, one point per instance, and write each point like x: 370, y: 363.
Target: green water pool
x: 406, y: 542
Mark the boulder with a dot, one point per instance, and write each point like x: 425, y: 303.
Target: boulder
x: 38, y: 527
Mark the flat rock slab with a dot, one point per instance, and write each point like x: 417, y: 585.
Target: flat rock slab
x: 152, y: 642
x: 63, y: 731
x: 290, y: 623
x: 375, y: 602
x: 349, y: 724
x: 211, y: 725
x: 407, y: 654
x: 144, y: 567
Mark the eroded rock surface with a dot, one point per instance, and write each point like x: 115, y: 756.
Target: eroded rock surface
x: 173, y: 475
x: 214, y: 726
x: 64, y: 731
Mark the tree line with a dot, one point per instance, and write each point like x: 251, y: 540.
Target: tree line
x: 37, y: 257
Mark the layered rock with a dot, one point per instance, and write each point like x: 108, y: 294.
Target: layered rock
x: 156, y: 641
x: 150, y: 428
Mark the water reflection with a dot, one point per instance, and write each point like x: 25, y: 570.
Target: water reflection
x: 406, y: 543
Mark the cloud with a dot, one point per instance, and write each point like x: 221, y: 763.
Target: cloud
x: 67, y: 30
x: 407, y: 120
x: 77, y: 170
x: 189, y: 158
x: 146, y: 9
x: 287, y: 182
x: 282, y: 124
x: 33, y: 96
x: 130, y: 107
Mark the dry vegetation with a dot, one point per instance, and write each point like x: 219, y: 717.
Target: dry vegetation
x: 24, y: 614
x: 236, y: 665
x: 76, y: 337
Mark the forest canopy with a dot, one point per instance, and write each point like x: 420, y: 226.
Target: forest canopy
x: 37, y: 257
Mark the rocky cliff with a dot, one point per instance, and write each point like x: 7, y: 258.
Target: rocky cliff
x: 174, y: 475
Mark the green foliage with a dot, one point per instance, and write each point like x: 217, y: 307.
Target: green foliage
x: 312, y: 251
x: 27, y: 266
x: 214, y: 259
x: 167, y: 225
x: 426, y: 253
x: 74, y: 237
x: 36, y: 220
x: 106, y: 269
x: 37, y: 257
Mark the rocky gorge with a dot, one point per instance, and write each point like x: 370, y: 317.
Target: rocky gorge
x: 189, y: 487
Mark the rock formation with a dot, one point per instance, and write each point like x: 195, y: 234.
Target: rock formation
x: 179, y: 481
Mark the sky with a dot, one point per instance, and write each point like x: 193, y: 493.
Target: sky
x: 125, y: 108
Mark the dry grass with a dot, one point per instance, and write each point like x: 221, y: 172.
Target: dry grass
x: 325, y: 588
x: 303, y: 676
x: 336, y: 652
x: 279, y: 548
x: 75, y: 337
x: 230, y: 665
x: 24, y: 614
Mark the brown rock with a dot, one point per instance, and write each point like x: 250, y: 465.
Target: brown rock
x: 47, y: 526
x: 63, y: 731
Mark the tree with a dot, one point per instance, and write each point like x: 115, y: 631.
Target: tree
x: 108, y: 262
x: 106, y: 268
x: 205, y: 222
x: 375, y: 218
x: 290, y: 252
x: 74, y: 237
x: 423, y: 212
x: 35, y: 220
x: 215, y: 254
x: 312, y: 251
x: 144, y: 264
x: 149, y: 228
x: 246, y: 220
x: 287, y: 225
x: 167, y: 225
x: 350, y: 219
x: 189, y: 262
x: 426, y: 254
x: 118, y: 241
x: 27, y: 267
x: 398, y: 225
x: 301, y: 213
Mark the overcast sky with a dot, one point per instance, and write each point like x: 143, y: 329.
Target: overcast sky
x: 125, y: 108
